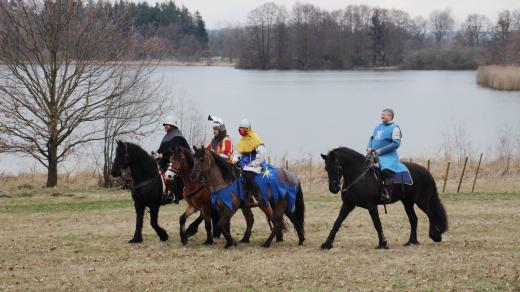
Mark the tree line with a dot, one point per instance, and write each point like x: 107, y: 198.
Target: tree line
x: 308, y: 37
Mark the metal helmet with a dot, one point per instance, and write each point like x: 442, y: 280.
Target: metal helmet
x: 218, y: 123
x: 245, y: 123
x: 170, y: 120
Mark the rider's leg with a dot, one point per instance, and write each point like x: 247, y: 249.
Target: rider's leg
x: 251, y: 187
x: 388, y: 176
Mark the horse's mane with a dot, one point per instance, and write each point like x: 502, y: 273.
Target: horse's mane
x: 142, y: 159
x: 344, y: 153
x: 188, y: 156
x: 227, y: 169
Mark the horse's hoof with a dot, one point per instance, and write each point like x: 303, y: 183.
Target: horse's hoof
x: 279, y: 239
x: 208, y: 242
x: 266, y: 244
x: 184, y: 240
x: 164, y: 238
x: 325, y: 246
x: 382, y: 246
x: 230, y: 244
x: 135, y: 240
x: 410, y: 243
x: 244, y: 240
x: 300, y: 243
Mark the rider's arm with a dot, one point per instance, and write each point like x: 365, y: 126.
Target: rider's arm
x: 369, y: 146
x: 396, y: 142
x: 226, y: 150
x: 261, y: 154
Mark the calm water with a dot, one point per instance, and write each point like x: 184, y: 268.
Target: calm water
x: 305, y: 113
x: 299, y: 113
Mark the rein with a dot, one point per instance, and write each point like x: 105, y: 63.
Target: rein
x: 371, y: 159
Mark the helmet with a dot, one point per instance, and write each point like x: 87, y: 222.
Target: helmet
x: 245, y: 123
x: 218, y: 123
x: 170, y: 120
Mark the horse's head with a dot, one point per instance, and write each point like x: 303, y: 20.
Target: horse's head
x: 334, y: 171
x: 177, y: 158
x: 121, y: 159
x: 201, y: 164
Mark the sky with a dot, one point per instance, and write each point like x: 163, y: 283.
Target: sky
x: 219, y: 13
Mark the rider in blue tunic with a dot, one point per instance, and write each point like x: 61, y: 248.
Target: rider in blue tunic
x: 385, y: 140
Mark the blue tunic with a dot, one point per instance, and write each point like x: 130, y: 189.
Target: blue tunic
x: 382, y: 140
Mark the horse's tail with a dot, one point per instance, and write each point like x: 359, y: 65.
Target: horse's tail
x: 438, y: 217
x: 299, y: 210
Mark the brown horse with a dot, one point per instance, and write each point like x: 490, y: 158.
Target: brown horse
x: 198, y: 197
x: 219, y: 175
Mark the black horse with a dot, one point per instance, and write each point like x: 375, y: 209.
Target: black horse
x: 147, y: 187
x: 361, y: 188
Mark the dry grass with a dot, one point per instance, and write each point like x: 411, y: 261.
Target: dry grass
x: 499, y: 77
x: 78, y: 242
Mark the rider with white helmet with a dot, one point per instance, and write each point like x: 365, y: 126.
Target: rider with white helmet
x: 172, y: 138
x: 221, y: 142
x: 252, y: 154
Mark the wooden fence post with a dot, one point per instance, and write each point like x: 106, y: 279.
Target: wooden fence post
x: 476, y: 173
x: 410, y: 160
x: 428, y: 164
x: 287, y: 164
x: 446, y: 177
x: 462, y: 174
x: 310, y: 174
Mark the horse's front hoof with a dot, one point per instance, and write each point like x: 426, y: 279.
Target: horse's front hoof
x: 325, y: 246
x: 244, y: 240
x: 208, y: 242
x: 266, y: 244
x: 184, y: 239
x: 300, y: 243
x: 230, y: 244
x: 383, y: 245
x: 135, y: 240
x: 164, y: 237
x: 410, y: 243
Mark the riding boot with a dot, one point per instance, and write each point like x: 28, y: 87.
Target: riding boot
x: 386, y: 195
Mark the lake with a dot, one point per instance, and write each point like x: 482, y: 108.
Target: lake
x: 306, y: 113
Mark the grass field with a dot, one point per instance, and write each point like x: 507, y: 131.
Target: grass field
x: 76, y: 240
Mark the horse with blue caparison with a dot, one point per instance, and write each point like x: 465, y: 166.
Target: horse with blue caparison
x: 349, y: 172
x: 278, y: 194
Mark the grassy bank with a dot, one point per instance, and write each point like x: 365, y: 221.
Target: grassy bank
x: 499, y: 77
x: 78, y: 241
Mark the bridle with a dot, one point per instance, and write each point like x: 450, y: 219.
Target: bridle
x: 370, y: 160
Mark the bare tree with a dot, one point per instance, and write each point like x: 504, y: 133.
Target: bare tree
x: 418, y: 29
x: 62, y: 67
x: 473, y: 29
x: 441, y: 24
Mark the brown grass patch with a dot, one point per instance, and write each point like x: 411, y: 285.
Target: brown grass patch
x: 499, y: 77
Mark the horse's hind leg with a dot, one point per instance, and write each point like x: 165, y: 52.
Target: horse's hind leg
x: 154, y: 214
x: 412, y: 217
x: 343, y: 213
x: 297, y: 227
x: 278, y: 224
x: 248, y: 215
x: 139, y: 213
x: 374, y: 214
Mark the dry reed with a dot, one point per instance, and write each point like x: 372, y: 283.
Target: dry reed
x: 499, y: 77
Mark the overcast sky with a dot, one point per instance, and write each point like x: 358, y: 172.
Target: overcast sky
x: 218, y: 13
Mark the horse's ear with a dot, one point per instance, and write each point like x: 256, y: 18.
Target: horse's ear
x: 324, y: 157
x: 194, y: 148
x: 119, y: 142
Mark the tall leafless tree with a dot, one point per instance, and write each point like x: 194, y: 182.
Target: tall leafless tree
x: 62, y: 67
x: 441, y: 24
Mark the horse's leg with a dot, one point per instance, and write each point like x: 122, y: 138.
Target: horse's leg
x: 299, y: 229
x: 278, y: 224
x: 215, y: 217
x: 412, y: 217
x: 374, y: 214
x: 194, y: 226
x: 182, y: 222
x: 343, y: 213
x: 154, y: 214
x: 248, y: 215
x: 206, y: 212
x: 139, y: 213
x: 224, y: 224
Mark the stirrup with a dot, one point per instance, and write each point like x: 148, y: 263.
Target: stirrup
x: 385, y: 197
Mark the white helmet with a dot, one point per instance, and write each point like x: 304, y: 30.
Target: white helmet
x: 170, y: 120
x: 218, y: 123
x: 245, y: 123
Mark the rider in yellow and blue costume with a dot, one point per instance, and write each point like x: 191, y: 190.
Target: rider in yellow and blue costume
x: 385, y: 140
x: 251, y: 154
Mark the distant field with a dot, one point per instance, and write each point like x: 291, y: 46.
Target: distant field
x: 77, y: 240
